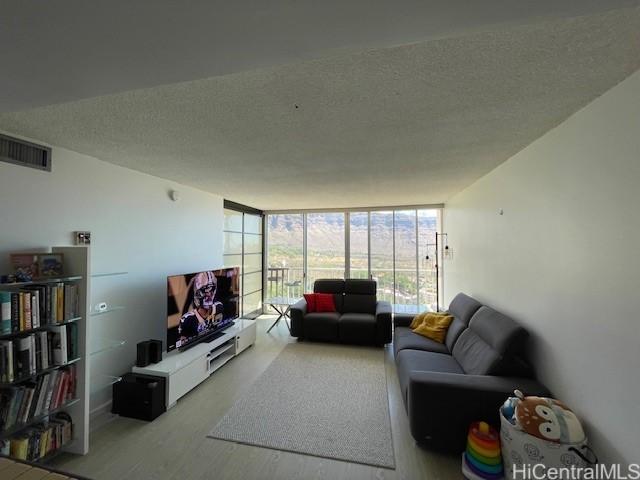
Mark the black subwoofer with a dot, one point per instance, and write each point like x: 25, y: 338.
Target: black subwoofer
x: 139, y: 396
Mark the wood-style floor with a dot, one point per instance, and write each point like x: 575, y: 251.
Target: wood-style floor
x: 175, y: 446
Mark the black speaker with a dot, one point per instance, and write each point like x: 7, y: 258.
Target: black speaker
x: 155, y: 351
x: 139, y: 396
x: 143, y: 356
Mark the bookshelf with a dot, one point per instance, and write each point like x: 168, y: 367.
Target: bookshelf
x: 39, y: 373
x: 39, y: 329
x: 77, y: 272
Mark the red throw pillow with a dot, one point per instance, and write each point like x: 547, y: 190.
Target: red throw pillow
x: 311, y: 302
x: 325, y: 303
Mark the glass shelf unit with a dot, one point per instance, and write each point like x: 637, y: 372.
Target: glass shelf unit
x: 20, y: 380
x: 39, y: 281
x: 38, y: 418
x: 105, y: 381
x: 4, y: 336
x: 108, y: 274
x: 105, y: 345
x: 115, y: 308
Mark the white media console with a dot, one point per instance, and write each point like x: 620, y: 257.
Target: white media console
x: 185, y: 370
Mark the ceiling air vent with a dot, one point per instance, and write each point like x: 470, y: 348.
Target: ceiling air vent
x: 24, y: 153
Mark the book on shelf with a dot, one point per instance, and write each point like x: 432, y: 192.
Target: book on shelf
x: 5, y: 313
x: 23, y: 357
x: 38, y: 441
x: 59, y: 345
x: 6, y: 361
x: 35, y: 306
x: 21, y: 404
x: 43, y: 344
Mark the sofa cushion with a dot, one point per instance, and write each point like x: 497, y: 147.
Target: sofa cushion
x: 359, y: 304
x: 360, y: 296
x: 474, y: 354
x: 328, y: 286
x: 360, y: 286
x: 489, y: 344
x: 321, y: 326
x: 500, y: 331
x: 416, y: 360
x: 462, y: 307
x: 357, y: 328
x: 405, y: 339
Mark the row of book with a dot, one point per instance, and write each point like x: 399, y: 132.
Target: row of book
x: 34, y: 306
x: 20, y: 405
x: 25, y: 356
x: 40, y: 440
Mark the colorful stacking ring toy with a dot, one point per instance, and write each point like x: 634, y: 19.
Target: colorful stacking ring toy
x: 482, y: 458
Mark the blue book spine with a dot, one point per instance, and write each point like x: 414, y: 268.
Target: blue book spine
x: 5, y: 313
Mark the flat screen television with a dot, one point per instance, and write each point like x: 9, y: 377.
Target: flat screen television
x: 201, y: 304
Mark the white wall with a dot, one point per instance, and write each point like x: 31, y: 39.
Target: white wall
x: 135, y: 228
x: 564, y: 260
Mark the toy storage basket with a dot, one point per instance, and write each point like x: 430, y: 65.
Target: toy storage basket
x: 520, y: 448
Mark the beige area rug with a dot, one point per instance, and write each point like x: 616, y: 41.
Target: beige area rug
x: 318, y: 399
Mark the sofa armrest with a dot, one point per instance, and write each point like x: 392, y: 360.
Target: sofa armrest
x: 402, y: 319
x: 383, y: 322
x: 297, y: 312
x: 441, y: 406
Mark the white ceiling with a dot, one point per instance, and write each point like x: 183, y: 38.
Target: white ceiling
x: 54, y: 52
x: 411, y: 124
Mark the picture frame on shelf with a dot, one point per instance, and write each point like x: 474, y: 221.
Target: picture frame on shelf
x: 24, y: 265
x: 50, y: 265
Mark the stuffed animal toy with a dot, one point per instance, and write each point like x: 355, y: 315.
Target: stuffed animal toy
x: 548, y: 419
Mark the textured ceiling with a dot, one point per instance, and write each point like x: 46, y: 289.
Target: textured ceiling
x: 406, y: 125
x: 55, y: 52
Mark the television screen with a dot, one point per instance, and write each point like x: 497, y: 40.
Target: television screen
x: 201, y: 303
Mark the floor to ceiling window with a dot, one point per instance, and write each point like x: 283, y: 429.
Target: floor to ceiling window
x: 325, y: 247
x: 429, y: 281
x: 285, y: 265
x: 387, y: 245
x: 243, y: 247
x: 405, y: 255
x: 358, y: 245
x: 381, y: 253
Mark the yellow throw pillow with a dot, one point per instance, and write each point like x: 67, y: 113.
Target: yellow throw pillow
x: 419, y: 318
x: 434, y: 326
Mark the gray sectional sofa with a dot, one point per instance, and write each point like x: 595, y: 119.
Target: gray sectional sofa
x: 360, y: 318
x: 447, y: 386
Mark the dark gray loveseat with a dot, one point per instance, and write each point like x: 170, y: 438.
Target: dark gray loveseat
x: 447, y: 386
x: 360, y: 318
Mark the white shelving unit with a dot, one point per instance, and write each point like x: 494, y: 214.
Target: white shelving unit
x: 76, y: 269
x: 103, y: 346
x: 184, y: 371
x: 77, y: 263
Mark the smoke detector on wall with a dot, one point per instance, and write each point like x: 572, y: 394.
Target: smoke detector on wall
x: 174, y: 195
